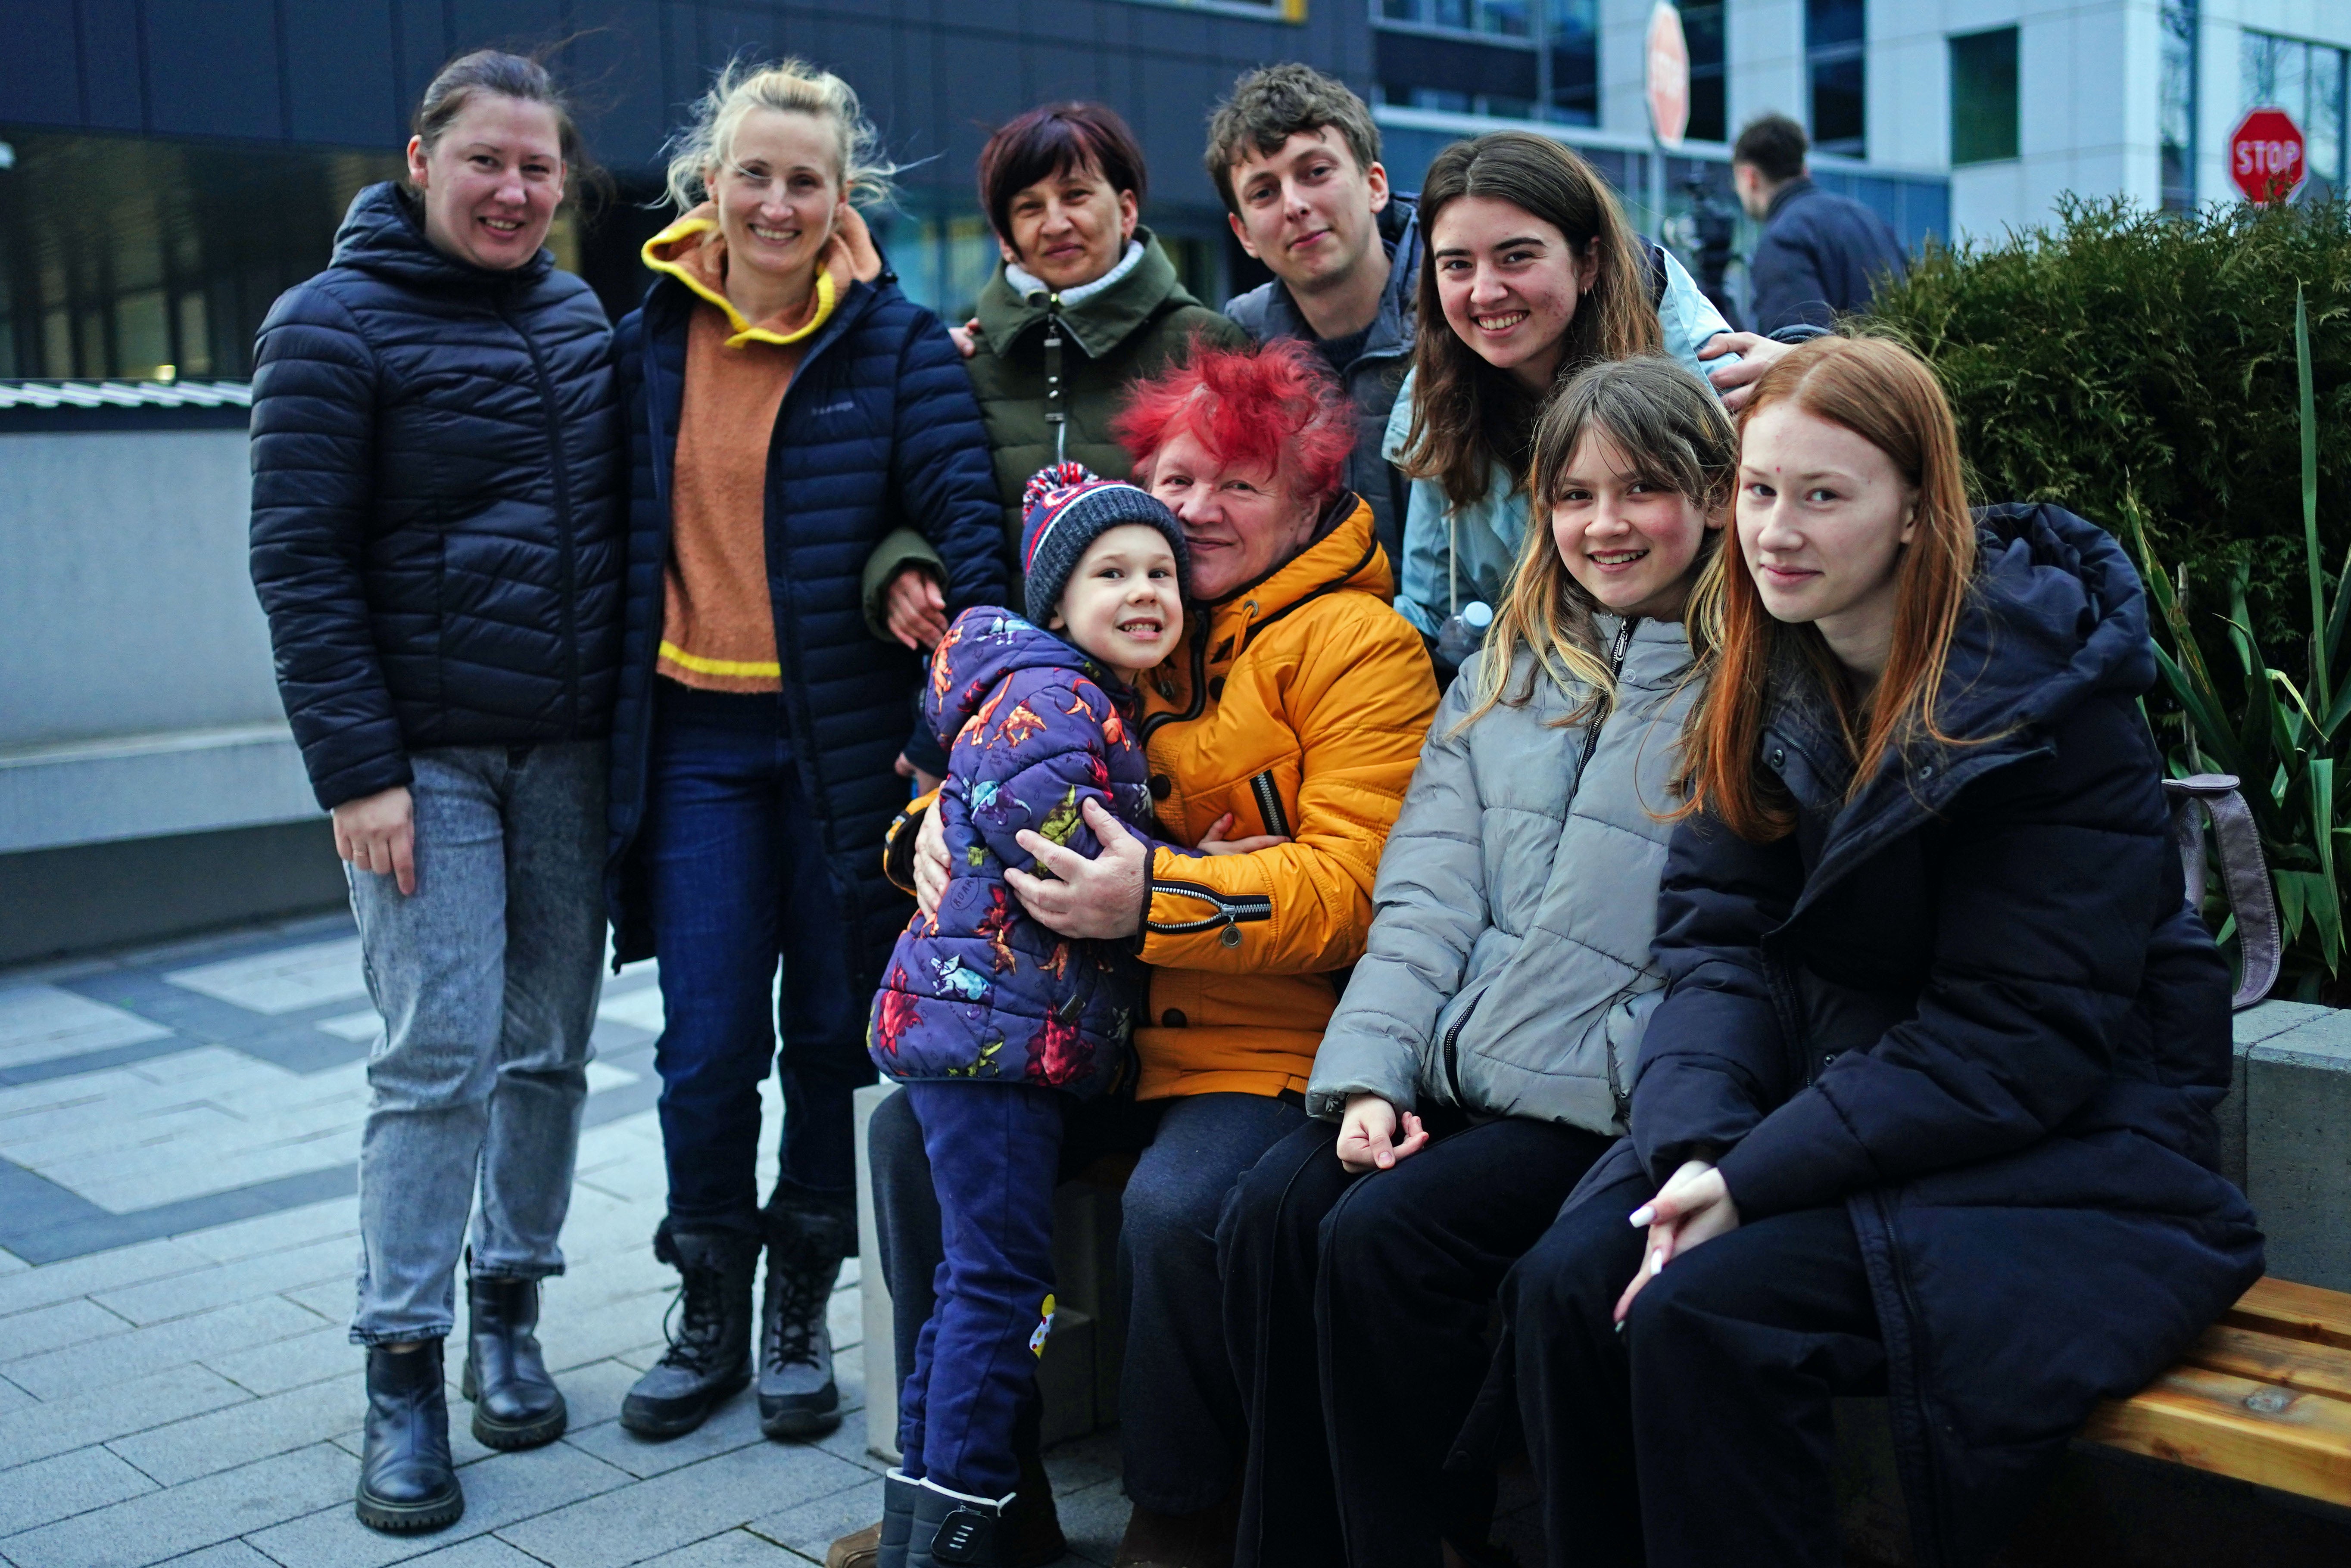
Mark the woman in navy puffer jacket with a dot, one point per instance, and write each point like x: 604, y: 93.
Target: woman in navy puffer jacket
x: 436, y: 538
x: 788, y: 407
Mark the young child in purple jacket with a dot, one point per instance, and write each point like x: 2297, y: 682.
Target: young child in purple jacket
x: 989, y: 1018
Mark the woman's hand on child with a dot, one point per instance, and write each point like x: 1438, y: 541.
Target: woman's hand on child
x: 1735, y: 381
x: 914, y: 610
x: 1692, y: 1209
x: 1093, y: 899
x: 930, y: 863
x: 1367, y: 1135
x: 1213, y: 841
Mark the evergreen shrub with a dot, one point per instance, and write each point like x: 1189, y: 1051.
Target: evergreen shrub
x: 2127, y: 356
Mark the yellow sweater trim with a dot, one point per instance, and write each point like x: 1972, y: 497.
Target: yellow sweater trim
x: 739, y: 667
x: 744, y: 332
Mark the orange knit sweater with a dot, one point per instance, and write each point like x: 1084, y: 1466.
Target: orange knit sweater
x: 718, y: 627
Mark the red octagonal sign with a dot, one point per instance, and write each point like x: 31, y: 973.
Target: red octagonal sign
x: 2266, y: 156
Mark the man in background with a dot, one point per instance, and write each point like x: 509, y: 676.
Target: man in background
x: 1822, y: 255
x: 1296, y: 159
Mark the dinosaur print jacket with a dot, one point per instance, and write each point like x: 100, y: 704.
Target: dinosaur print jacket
x: 1032, y: 728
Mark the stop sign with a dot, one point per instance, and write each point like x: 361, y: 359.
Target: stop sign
x: 2266, y: 156
x: 1667, y: 75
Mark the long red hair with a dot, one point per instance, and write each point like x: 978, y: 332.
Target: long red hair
x: 1886, y: 395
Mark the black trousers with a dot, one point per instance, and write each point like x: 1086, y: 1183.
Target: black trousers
x: 1355, y: 1309
x: 1702, y: 1434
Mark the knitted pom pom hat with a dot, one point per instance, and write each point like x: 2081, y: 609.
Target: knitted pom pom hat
x: 1067, y: 507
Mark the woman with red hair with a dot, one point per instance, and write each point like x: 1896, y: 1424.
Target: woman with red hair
x: 1283, y: 728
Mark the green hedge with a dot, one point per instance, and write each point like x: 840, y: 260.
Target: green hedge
x: 2121, y: 353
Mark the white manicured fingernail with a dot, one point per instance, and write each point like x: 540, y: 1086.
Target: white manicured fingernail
x: 1642, y: 1216
x: 1657, y: 1262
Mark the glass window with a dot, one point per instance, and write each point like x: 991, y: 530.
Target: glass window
x: 1708, y: 111
x: 1572, y: 35
x: 1501, y: 18
x: 1983, y: 96
x: 1833, y: 46
x: 124, y: 254
x: 2177, y: 109
x: 2308, y: 81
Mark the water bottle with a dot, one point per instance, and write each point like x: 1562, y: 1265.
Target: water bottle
x: 1463, y: 633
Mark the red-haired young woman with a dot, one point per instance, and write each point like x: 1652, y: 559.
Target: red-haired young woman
x: 1927, y: 1110
x: 1291, y: 715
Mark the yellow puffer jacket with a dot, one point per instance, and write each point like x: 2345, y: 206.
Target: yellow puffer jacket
x: 1298, y: 706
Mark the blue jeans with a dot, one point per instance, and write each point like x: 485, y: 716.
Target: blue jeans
x: 735, y: 863
x: 996, y: 1151
x: 487, y: 977
x: 1183, y: 1432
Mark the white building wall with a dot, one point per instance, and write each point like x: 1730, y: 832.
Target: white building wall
x: 1763, y: 48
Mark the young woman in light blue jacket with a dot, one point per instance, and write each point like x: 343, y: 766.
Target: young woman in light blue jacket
x: 1529, y: 273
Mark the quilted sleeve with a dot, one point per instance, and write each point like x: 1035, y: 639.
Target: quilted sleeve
x: 314, y: 396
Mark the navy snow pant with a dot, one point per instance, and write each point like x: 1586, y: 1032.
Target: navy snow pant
x: 994, y: 1154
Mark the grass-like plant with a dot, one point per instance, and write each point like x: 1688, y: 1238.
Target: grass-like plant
x: 2281, y: 736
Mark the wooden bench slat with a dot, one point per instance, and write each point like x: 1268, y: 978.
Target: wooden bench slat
x: 2302, y: 1364
x: 2295, y: 1311
x: 2295, y: 1441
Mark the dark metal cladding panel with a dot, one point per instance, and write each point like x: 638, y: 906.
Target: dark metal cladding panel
x: 342, y: 85
x: 110, y: 43
x: 39, y: 82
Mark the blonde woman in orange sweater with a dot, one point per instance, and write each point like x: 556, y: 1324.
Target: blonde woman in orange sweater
x: 788, y: 407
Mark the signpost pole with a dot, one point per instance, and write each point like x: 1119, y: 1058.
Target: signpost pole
x: 1667, y: 81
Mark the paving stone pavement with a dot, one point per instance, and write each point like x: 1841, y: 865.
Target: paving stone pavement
x: 178, y: 1128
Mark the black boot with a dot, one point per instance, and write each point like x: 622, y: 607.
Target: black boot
x: 709, y: 1356
x: 954, y: 1530
x: 407, y: 1483
x: 1029, y: 1535
x: 515, y: 1403
x: 797, y: 1397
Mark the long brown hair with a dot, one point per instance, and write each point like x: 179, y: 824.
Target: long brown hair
x: 1671, y: 429
x: 1468, y: 416
x: 1886, y: 395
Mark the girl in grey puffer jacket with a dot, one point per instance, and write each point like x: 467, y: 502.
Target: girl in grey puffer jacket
x: 1479, y: 1060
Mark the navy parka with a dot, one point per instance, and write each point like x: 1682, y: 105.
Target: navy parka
x: 437, y: 474
x: 878, y: 429
x: 1972, y: 1008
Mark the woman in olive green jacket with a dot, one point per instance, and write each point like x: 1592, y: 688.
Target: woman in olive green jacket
x: 1085, y: 303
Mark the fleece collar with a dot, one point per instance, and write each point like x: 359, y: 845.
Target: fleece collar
x: 693, y: 251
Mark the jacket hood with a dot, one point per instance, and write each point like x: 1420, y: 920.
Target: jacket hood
x: 383, y: 234
x: 1099, y: 322
x: 2059, y: 615
x: 1269, y: 311
x: 2056, y: 616
x: 986, y: 644
x: 693, y: 251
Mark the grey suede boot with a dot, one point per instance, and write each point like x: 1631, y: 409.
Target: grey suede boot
x: 709, y: 1356
x: 797, y: 1397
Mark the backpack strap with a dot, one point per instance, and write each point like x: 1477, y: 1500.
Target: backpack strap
x: 2244, y: 876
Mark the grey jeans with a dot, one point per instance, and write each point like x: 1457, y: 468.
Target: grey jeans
x: 487, y: 978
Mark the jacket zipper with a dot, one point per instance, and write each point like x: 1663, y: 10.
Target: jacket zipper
x: 1269, y: 803
x: 562, y: 477
x: 1618, y: 650
x: 1453, y: 1048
